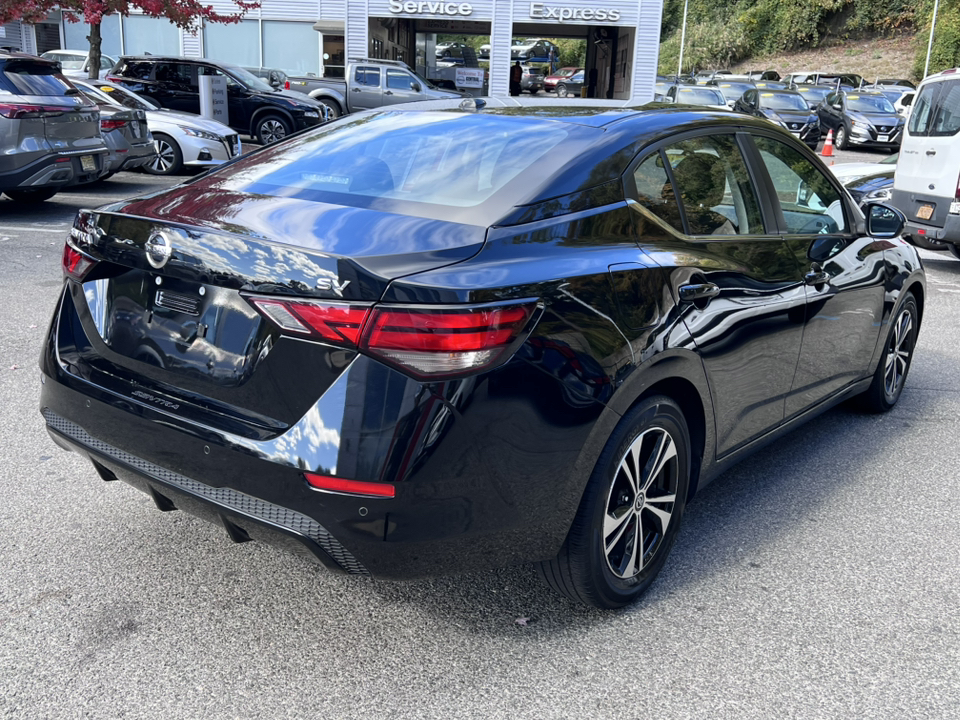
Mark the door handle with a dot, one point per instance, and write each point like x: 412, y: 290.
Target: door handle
x: 388, y: 92
x: 931, y: 152
x: 355, y: 89
x: 703, y: 291
x: 816, y: 276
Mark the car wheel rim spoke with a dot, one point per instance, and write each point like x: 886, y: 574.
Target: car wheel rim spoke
x: 272, y: 130
x: 164, y: 158
x: 640, y: 503
x: 898, y: 354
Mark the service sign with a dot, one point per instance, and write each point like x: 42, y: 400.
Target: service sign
x: 431, y: 7
x: 213, y: 98
x: 469, y: 78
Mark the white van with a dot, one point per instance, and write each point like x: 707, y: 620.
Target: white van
x: 926, y: 185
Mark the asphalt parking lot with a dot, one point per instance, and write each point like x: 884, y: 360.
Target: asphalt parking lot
x: 818, y: 579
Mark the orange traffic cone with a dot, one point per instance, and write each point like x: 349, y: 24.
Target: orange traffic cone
x: 828, y: 146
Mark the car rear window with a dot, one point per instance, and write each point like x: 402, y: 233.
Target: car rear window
x: 35, y: 78
x: 936, y: 111
x: 699, y: 96
x: 135, y: 70
x: 452, y: 160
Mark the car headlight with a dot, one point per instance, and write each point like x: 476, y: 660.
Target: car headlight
x: 201, y: 133
x: 878, y: 195
x: 311, y: 113
x: 860, y: 124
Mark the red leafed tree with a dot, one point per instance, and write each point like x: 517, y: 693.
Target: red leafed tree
x: 186, y: 14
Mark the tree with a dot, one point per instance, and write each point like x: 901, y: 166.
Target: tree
x: 185, y: 14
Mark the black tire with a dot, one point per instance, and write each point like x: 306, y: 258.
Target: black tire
x: 891, y: 374
x: 588, y: 569
x: 534, y: 92
x: 107, y: 176
x: 169, y: 159
x: 31, y: 195
x: 561, y: 90
x: 271, y: 128
x: 841, y: 140
x: 332, y: 106
x: 954, y: 250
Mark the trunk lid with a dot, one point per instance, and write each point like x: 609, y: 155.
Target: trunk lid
x: 165, y: 318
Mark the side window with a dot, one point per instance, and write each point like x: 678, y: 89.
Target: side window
x: 810, y: 203
x: 177, y: 73
x: 368, y: 76
x: 655, y: 192
x: 106, y: 63
x: 136, y: 70
x: 713, y: 187
x: 397, y: 80
x: 947, y: 119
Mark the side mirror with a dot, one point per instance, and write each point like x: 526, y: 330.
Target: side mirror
x: 415, y: 86
x: 275, y: 79
x: 803, y: 193
x: 884, y: 221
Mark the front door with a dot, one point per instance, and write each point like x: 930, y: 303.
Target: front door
x: 176, y: 87
x: 401, y: 87
x: 843, y: 275
x: 738, y: 284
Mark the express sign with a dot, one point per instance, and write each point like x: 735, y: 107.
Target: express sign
x: 413, y: 7
x: 542, y: 11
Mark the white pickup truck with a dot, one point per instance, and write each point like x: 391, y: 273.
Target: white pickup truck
x: 369, y: 84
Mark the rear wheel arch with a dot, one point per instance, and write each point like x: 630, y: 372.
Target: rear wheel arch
x: 917, y: 289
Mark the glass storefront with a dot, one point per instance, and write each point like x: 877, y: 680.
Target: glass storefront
x: 75, y: 36
x: 142, y: 34
x: 238, y: 44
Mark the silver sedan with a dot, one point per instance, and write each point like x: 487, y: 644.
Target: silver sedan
x: 182, y: 139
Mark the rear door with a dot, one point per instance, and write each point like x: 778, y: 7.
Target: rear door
x: 366, y: 91
x: 178, y: 84
x: 739, y: 286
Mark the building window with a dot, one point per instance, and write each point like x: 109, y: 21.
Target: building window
x: 75, y: 35
x: 293, y: 47
x: 142, y: 34
x: 238, y: 44
x: 376, y: 48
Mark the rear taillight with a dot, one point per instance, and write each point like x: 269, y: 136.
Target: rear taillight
x: 427, y: 342
x: 111, y: 124
x: 76, y: 265
x: 24, y: 112
x: 112, y: 78
x: 335, y: 323
x: 286, y: 85
x: 444, y: 342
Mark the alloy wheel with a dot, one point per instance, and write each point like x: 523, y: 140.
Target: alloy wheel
x: 165, y: 157
x: 272, y: 130
x: 640, y: 503
x: 898, y: 354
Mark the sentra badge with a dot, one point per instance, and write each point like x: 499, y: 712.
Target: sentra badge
x: 159, y: 249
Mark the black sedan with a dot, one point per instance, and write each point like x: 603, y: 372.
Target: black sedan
x: 571, y: 85
x: 785, y: 108
x: 446, y: 337
x: 864, y: 119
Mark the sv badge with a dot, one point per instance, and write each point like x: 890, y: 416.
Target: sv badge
x: 333, y: 284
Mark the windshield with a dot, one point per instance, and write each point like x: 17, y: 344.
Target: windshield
x: 733, y: 91
x: 814, y: 94
x: 67, y: 62
x: 250, y: 80
x: 700, y: 96
x: 782, y: 101
x: 446, y: 159
x: 869, y: 104
x: 122, y: 96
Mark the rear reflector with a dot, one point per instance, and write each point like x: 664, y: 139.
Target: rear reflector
x: 335, y: 323
x: 350, y: 487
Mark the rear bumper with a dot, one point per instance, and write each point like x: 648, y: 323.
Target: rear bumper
x: 927, y: 235
x: 485, y: 469
x: 55, y: 170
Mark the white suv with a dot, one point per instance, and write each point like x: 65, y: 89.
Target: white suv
x: 926, y: 186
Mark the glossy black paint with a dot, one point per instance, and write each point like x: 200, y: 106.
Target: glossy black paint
x: 489, y: 469
x: 876, y: 187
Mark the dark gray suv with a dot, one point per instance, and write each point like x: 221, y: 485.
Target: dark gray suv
x: 49, y: 132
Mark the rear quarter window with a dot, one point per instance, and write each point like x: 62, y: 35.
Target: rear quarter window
x: 135, y: 70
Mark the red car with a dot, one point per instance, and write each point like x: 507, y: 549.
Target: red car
x: 550, y: 82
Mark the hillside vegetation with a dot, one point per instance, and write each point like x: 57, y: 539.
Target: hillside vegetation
x: 725, y: 33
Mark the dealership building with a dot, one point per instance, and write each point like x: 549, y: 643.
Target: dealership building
x: 318, y: 37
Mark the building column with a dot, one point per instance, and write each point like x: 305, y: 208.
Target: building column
x: 357, y: 38
x: 646, y: 51
x: 501, y: 39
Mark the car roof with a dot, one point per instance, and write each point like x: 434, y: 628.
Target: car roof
x: 15, y: 55
x: 178, y: 58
